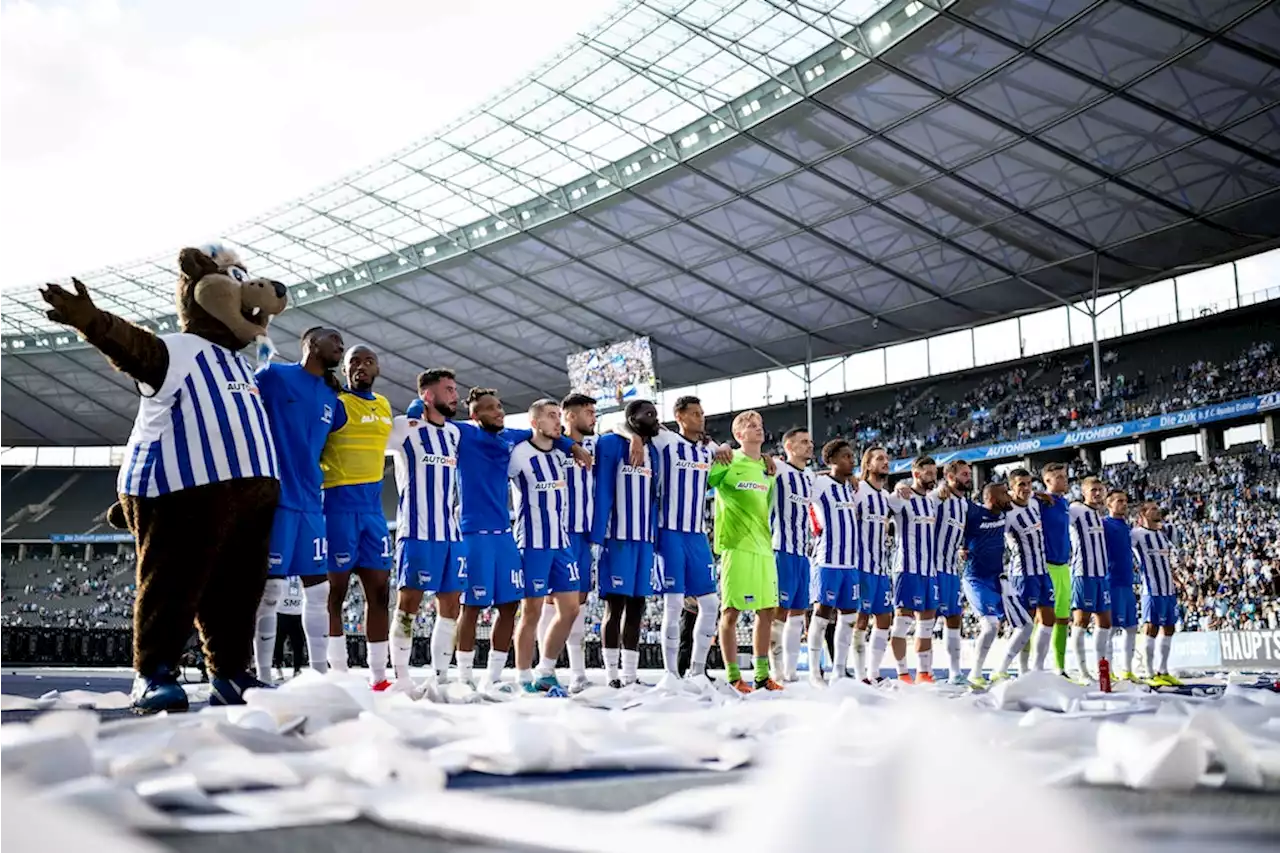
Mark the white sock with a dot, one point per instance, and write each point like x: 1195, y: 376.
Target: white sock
x: 264, y: 641
x: 442, y: 646
x: 1150, y: 655
x: 497, y: 663
x: 840, y: 645
x: 524, y: 676
x: 879, y: 643
x: 466, y: 665
x: 990, y: 628
x: 704, y: 632
x: 315, y: 624
x: 672, y: 606
x: 776, y: 630
x: 817, y: 636
x: 901, y: 629
x: 577, y: 652
x: 378, y: 661
x: 630, y: 663
x: 859, y: 652
x: 1024, y: 657
x: 1016, y: 644
x: 924, y: 656
x: 336, y: 653
x: 1044, y: 639
x: 544, y: 623
x: 1165, y: 647
x: 1077, y: 642
x: 402, y: 643
x: 611, y: 664
x: 1128, y: 643
x: 951, y: 636
x: 791, y: 645
x: 1102, y: 644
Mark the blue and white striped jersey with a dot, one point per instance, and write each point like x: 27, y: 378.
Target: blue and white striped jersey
x: 873, y: 523
x: 1025, y: 533
x: 205, y: 424
x: 581, y: 489
x: 953, y: 514
x: 1088, y: 542
x: 1154, y: 553
x: 624, y: 493
x: 789, y: 513
x: 682, y: 467
x: 426, y: 466
x: 541, y: 497
x: 915, y: 522
x: 835, y: 523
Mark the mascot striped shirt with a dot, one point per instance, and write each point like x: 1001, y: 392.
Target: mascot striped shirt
x: 205, y: 424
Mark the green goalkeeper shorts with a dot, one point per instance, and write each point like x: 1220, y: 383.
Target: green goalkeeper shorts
x: 748, y: 581
x: 1061, y: 578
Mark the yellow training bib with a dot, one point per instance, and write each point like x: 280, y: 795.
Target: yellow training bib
x: 355, y: 453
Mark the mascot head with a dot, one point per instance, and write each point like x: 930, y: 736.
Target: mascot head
x: 218, y: 301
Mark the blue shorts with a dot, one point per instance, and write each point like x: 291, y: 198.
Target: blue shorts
x: 580, y: 550
x: 549, y: 570
x: 626, y: 568
x: 950, y: 595
x: 1124, y: 607
x: 915, y: 592
x: 1092, y: 595
x: 495, y: 572
x: 685, y: 564
x: 793, y: 580
x: 431, y: 566
x: 298, y: 545
x: 358, y: 540
x: 837, y: 588
x: 1160, y: 610
x: 876, y: 593
x: 1033, y: 590
x: 996, y: 597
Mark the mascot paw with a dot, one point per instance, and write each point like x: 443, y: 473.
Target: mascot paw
x: 69, y: 309
x: 115, y: 517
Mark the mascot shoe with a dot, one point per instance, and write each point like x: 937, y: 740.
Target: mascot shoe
x: 159, y: 691
x: 230, y: 691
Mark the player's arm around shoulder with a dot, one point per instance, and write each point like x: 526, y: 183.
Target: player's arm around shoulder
x: 719, y: 471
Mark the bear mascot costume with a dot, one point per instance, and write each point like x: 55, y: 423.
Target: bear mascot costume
x: 199, y: 484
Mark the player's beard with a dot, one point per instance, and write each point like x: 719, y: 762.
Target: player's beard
x: 444, y: 410
x: 493, y: 428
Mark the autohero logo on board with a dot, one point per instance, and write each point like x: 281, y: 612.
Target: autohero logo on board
x: 1101, y: 433
x: 1013, y: 448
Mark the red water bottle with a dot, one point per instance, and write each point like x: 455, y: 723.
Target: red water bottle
x: 1104, y: 675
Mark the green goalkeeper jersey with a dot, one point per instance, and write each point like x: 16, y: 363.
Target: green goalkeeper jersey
x: 743, y: 495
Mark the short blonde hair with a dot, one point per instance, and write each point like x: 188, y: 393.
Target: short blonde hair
x: 744, y: 418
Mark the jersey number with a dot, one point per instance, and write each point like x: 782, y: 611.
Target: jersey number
x: 322, y: 549
x: 517, y: 578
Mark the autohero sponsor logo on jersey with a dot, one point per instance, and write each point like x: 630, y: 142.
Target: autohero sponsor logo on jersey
x: 373, y: 419
x: 1013, y: 447
x: 550, y: 486
x: 635, y: 471
x: 437, y: 459
x: 1096, y: 434
x: 242, y: 388
x: 751, y: 486
x: 1247, y: 647
x: 991, y: 525
x: 692, y: 465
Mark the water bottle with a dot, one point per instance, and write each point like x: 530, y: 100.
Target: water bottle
x: 1104, y: 675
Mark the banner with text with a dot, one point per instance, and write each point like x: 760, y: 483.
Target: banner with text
x: 1250, y: 649
x: 1105, y: 432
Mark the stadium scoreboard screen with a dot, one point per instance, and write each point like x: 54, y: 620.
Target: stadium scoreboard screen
x: 615, y: 374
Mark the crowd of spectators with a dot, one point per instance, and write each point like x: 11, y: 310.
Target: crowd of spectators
x: 69, y: 593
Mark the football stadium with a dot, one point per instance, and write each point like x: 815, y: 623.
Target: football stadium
x: 923, y: 352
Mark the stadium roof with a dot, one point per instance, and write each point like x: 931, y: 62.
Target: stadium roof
x: 745, y: 180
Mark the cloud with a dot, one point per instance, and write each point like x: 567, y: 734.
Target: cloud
x: 131, y: 128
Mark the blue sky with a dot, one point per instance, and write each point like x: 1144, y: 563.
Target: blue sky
x: 131, y: 126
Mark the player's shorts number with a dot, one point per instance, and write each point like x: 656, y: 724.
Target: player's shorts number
x: 517, y: 578
x: 888, y: 598
x: 386, y: 546
x: 462, y: 567
x: 321, y: 545
x: 574, y: 574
